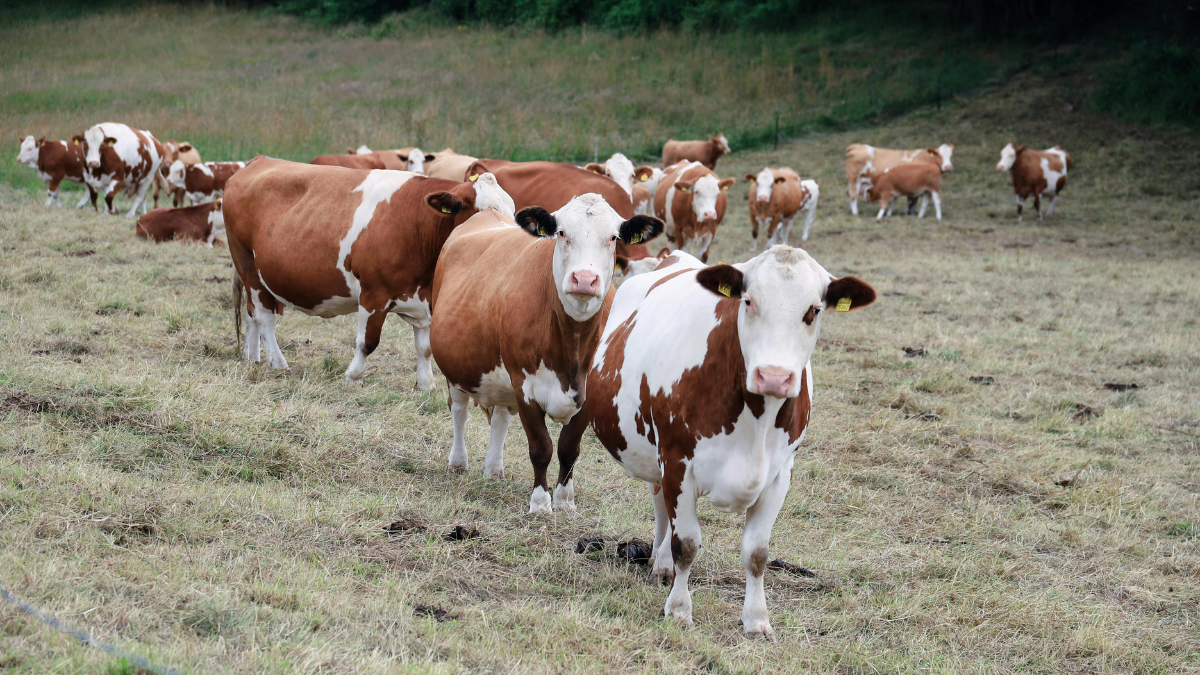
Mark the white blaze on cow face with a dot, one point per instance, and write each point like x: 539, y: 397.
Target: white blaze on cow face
x: 945, y: 151
x: 28, y: 155
x: 704, y: 197
x: 175, y: 175
x: 489, y: 195
x: 1007, y: 157
x: 588, y: 230
x: 416, y: 161
x: 93, y: 138
x: 763, y: 184
x: 724, y: 143
x: 620, y: 169
x: 779, y: 318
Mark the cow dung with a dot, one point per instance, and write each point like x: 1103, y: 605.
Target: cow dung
x: 460, y: 533
x: 404, y: 525
x: 587, y: 545
x: 1116, y: 386
x: 635, y: 551
x: 788, y: 567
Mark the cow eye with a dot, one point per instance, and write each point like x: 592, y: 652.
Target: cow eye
x: 562, y: 233
x: 614, y: 238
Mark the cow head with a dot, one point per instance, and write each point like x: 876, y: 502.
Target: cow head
x: 94, y: 140
x: 415, y: 159
x: 585, y: 233
x: 707, y: 197
x: 942, y: 154
x: 764, y: 184
x: 216, y: 219
x: 175, y: 175
x: 619, y: 168
x: 720, y: 144
x: 1008, y: 156
x: 489, y: 195
x: 781, y: 295
x: 632, y: 268
x: 28, y: 154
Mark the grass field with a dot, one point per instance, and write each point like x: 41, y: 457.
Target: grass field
x: 221, y: 517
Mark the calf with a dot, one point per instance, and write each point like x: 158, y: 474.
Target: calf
x: 1041, y: 174
x: 120, y: 158
x: 913, y: 180
x: 173, y: 152
x: 691, y: 201
x: 881, y: 159
x: 518, y: 306
x: 200, y: 222
x: 705, y: 152
x: 702, y: 385
x: 776, y: 197
x: 330, y: 241
x: 54, y: 161
x: 203, y: 182
x: 450, y: 165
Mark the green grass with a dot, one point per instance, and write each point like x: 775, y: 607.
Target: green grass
x: 220, y: 517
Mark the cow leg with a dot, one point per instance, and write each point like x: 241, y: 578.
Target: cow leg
x: 541, y: 449
x: 680, y: 495
x: 1037, y: 204
x: 756, y: 539
x: 157, y: 188
x: 493, y: 463
x: 852, y: 191
x: 808, y: 221
x: 1050, y: 208
x: 785, y: 229
x: 912, y: 205
x: 139, y: 200
x: 265, y: 318
x: 460, y: 407
x: 50, y: 195
x: 924, y: 205
x: 370, y: 326
x: 424, y: 354
x: 662, y: 565
x: 754, y: 233
x: 1020, y: 205
x: 884, y: 202
x: 252, y: 351
x: 937, y: 204
x: 89, y: 195
x: 568, y: 451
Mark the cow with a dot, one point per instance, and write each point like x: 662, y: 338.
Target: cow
x: 518, y: 305
x: 913, y: 180
x: 118, y: 157
x: 882, y: 159
x: 691, y: 201
x: 414, y: 159
x: 778, y: 196
x: 705, y: 152
x: 202, y: 182
x: 199, y: 222
x: 1041, y: 174
x: 329, y: 241
x: 374, y: 160
x: 173, y: 152
x: 551, y: 185
x: 702, y: 385
x: 54, y: 161
x: 450, y: 165
x: 621, y: 170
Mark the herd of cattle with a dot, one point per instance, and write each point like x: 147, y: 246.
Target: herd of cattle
x: 696, y: 378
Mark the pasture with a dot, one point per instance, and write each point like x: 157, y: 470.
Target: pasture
x: 979, y: 502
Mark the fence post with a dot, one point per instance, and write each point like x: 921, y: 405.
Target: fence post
x: 776, y: 131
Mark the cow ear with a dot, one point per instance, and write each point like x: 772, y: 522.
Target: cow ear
x: 683, y: 186
x: 595, y: 168
x: 428, y: 157
x: 722, y: 279
x: 476, y: 170
x: 662, y: 255
x: 184, y: 147
x: 351, y: 151
x: 403, y: 158
x: 40, y: 142
x: 751, y: 178
x: 444, y: 203
x: 726, y: 184
x: 849, y: 293
x: 780, y: 180
x: 1020, y: 148
x: 537, y: 221
x: 643, y: 173
x: 77, y: 139
x: 620, y: 262
x: 640, y: 228
x: 932, y: 151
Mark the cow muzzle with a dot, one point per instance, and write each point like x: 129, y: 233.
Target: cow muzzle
x: 772, y: 381
x: 947, y: 167
x: 761, y: 198
x: 584, y: 283
x: 93, y: 164
x: 709, y: 215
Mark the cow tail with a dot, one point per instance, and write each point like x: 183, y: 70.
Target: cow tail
x: 238, y: 292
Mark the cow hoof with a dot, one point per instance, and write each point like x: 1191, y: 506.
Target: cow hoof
x: 681, y: 618
x: 564, y: 496
x: 662, y: 576
x: 458, y: 468
x: 498, y: 474
x: 354, y: 378
x: 539, y: 501
x: 760, y: 630
x: 424, y: 386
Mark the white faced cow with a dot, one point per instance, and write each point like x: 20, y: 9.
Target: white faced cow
x: 1041, y: 174
x: 121, y: 158
x: 702, y: 387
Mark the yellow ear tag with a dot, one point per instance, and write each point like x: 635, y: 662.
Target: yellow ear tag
x: 472, y: 178
x: 76, y: 141
x: 636, y: 238
x: 445, y: 209
x: 643, y: 178
x: 682, y: 189
x: 725, y: 189
x: 843, y: 305
x: 724, y: 289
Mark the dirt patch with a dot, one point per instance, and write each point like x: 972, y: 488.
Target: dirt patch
x: 19, y: 400
x: 1115, y: 386
x: 461, y: 533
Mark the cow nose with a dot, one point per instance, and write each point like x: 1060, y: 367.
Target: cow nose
x: 999, y: 167
x: 584, y: 283
x: 772, y: 381
x: 947, y: 168
x: 761, y: 198
x: 93, y: 164
x: 709, y: 215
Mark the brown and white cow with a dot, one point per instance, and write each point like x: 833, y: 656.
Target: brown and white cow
x: 120, y: 158
x: 202, y: 182
x: 329, y: 241
x: 173, y: 152
x: 551, y: 185
x: 776, y: 197
x: 368, y: 161
x: 414, y: 159
x: 630, y: 268
x: 1041, y: 174
x: 860, y: 159
x: 691, y: 202
x: 54, y: 161
x: 621, y: 170
x: 702, y: 386
x: 914, y: 180
x: 705, y: 152
x: 450, y: 165
x: 518, y: 306
x: 200, y: 222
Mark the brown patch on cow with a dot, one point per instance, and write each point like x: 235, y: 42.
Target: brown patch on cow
x: 683, y: 549
x: 665, y: 279
x: 794, y: 413
x: 758, y: 561
x: 605, y: 419
x: 667, y: 261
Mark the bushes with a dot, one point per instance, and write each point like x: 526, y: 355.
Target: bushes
x: 1157, y: 82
